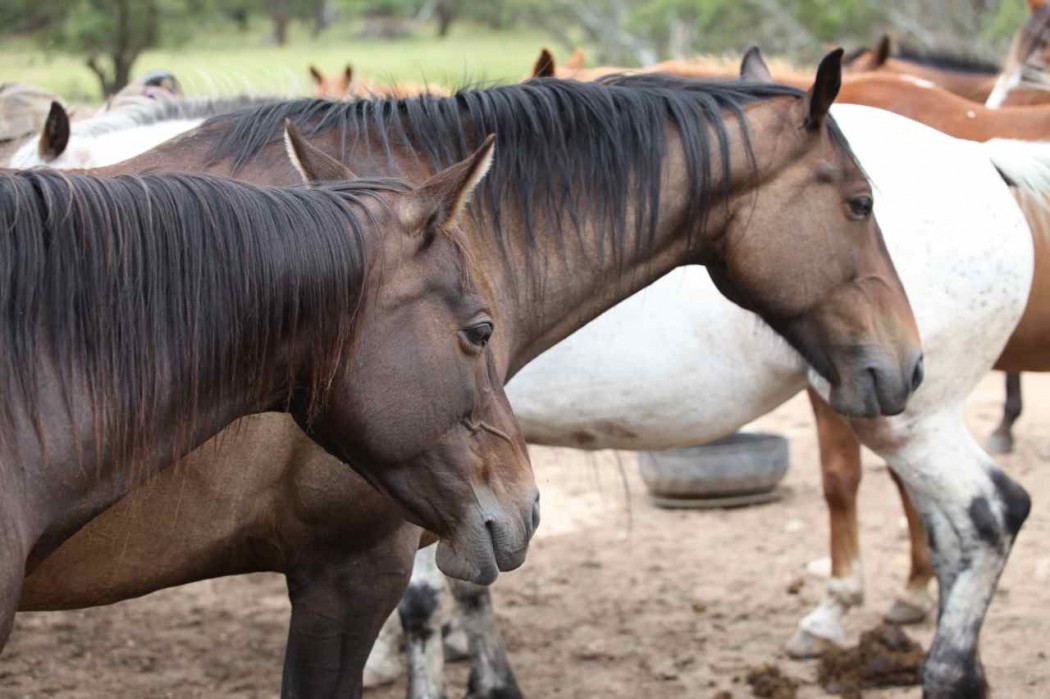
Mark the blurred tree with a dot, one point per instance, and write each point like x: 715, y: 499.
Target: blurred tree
x: 111, y: 34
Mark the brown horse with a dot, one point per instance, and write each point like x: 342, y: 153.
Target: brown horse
x: 143, y: 314
x: 587, y: 203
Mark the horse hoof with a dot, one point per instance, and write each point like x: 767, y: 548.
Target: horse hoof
x: 999, y: 444
x: 804, y: 645
x: 902, y: 612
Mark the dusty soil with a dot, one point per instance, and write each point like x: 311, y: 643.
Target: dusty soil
x: 618, y: 599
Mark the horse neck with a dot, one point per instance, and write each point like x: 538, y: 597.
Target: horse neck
x: 551, y: 293
x: 78, y: 473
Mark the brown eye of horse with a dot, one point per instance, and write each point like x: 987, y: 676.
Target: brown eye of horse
x: 479, y: 334
x: 860, y: 207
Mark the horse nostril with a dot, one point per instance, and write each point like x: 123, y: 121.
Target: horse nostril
x: 536, y: 513
x: 917, y: 374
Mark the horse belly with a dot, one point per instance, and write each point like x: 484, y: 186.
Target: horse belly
x: 1029, y: 346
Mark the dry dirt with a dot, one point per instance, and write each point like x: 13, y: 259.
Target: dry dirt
x: 618, y: 599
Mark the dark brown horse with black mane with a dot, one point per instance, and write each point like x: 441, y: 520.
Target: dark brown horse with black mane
x: 598, y: 190
x: 143, y: 314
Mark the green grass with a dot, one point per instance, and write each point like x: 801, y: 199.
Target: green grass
x: 224, y: 61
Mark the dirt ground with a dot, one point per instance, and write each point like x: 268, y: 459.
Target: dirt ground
x: 618, y: 599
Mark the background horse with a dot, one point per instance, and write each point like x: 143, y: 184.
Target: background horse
x: 1025, y: 78
x: 246, y: 300
x: 970, y: 78
x: 347, y: 85
x: 120, y: 134
x: 566, y: 236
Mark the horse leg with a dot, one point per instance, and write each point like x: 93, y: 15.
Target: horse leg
x: 972, y: 512
x: 339, y: 603
x: 384, y: 662
x: 840, y: 467
x: 1002, y: 440
x: 420, y: 619
x: 490, y: 673
x: 13, y: 549
x: 915, y: 602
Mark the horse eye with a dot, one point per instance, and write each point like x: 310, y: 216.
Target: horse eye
x: 860, y: 207
x: 479, y: 334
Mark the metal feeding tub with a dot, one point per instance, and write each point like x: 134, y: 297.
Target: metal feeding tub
x: 741, y: 469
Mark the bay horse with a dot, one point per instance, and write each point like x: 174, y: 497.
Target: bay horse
x: 965, y: 255
x: 143, y: 314
x: 579, y: 414
x: 587, y: 203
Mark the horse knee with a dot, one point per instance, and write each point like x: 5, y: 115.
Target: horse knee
x: 1016, y: 502
x: 418, y: 609
x: 999, y: 530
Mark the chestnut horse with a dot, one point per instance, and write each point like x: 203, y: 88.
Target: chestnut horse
x: 143, y: 314
x: 587, y: 203
x: 346, y: 85
x: 969, y: 78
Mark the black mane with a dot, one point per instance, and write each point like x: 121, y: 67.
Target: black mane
x: 947, y: 60
x: 564, y: 149
x: 137, y: 287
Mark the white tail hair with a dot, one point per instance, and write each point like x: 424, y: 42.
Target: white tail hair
x: 1024, y: 164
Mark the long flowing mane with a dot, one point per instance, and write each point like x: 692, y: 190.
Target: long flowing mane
x: 140, y: 292
x: 570, y: 152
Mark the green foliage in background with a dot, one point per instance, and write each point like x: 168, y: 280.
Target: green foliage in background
x: 272, y: 41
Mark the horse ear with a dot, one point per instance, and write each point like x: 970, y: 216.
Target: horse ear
x: 754, y: 68
x: 882, y: 51
x: 54, y: 137
x: 576, y: 60
x: 316, y: 75
x: 1036, y: 5
x: 824, y: 91
x: 313, y: 164
x: 440, y: 201
x: 348, y: 73
x: 544, y: 67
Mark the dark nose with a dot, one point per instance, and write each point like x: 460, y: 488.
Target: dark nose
x: 917, y: 374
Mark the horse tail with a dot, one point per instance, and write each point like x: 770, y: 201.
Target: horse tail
x: 1024, y: 165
